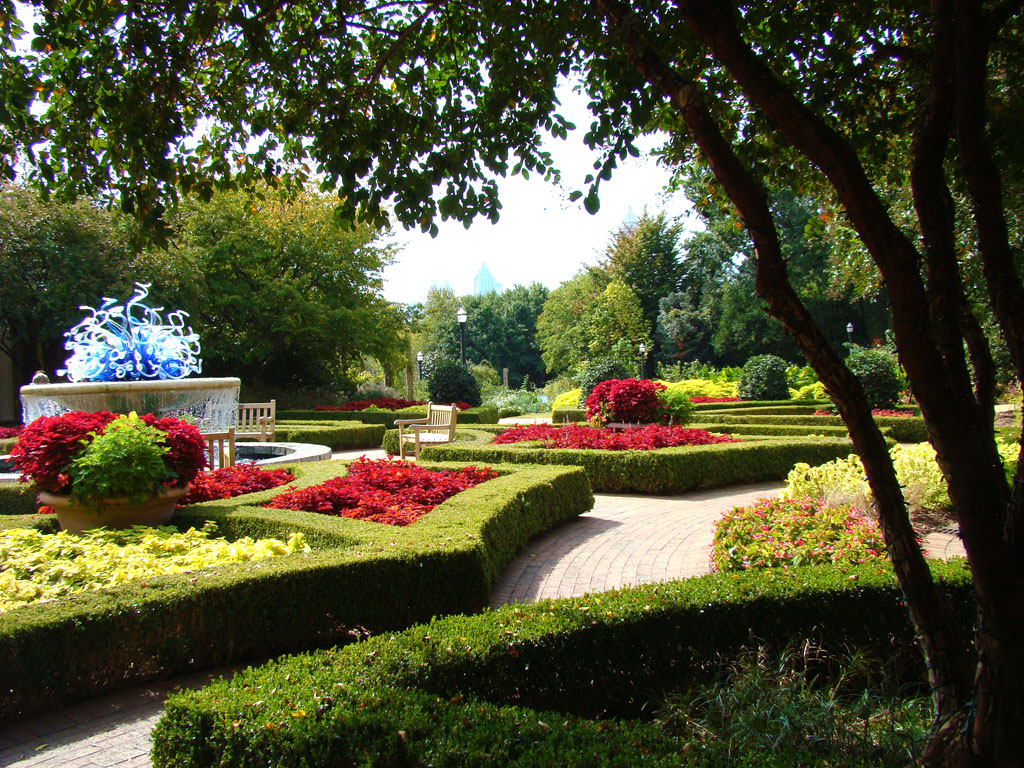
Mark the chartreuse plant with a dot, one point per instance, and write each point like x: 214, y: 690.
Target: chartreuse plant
x: 843, y: 481
x: 126, y: 459
x: 41, y: 566
x: 774, y: 533
x: 677, y: 405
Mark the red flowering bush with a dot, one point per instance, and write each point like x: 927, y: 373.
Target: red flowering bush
x: 391, y: 492
x: 6, y: 432
x: 47, y: 448
x: 228, y: 482
x: 648, y: 438
x: 625, y: 400
x: 775, y: 533
x: 701, y: 399
x: 382, y: 403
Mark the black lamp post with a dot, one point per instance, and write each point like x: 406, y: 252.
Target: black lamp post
x: 849, y: 333
x: 419, y: 362
x: 462, y: 315
x: 643, y: 360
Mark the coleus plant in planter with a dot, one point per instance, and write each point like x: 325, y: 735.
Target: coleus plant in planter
x: 90, y: 457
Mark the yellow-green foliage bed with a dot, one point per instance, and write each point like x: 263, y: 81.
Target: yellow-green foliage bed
x: 36, y: 566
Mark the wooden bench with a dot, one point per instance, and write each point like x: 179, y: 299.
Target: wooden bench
x: 438, y: 427
x: 256, y: 421
x: 220, y: 448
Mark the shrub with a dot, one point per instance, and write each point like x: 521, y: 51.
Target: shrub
x: 451, y: 382
x: 774, y: 533
x: 594, y: 372
x: 705, y: 387
x: 815, y: 391
x: 764, y: 378
x: 514, y: 402
x: 569, y: 399
x: 878, y: 372
x: 625, y: 400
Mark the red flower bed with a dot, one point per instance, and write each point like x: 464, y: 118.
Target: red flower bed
x: 702, y: 399
x: 228, y: 482
x: 647, y: 438
x: 391, y: 492
x: 381, y: 403
x: 625, y: 400
x: 384, y: 403
x: 874, y: 412
x: 9, y: 432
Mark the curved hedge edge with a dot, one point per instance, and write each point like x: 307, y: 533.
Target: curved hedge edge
x: 903, y: 429
x: 457, y: 686
x: 666, y: 470
x: 477, y: 435
x: 363, y: 577
x: 483, y: 414
x: 337, y: 437
x: 17, y: 499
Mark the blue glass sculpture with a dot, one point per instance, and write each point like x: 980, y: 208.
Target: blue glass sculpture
x: 131, y: 342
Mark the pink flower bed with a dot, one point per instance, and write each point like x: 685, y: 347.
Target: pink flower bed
x: 648, y: 438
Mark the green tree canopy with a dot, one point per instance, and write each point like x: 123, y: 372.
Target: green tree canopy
x: 278, y: 291
x: 54, y: 258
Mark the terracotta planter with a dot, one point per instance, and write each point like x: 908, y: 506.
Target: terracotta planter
x: 113, y: 513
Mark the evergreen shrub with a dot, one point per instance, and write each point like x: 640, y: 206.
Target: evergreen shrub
x: 878, y: 372
x: 452, y: 382
x: 764, y: 378
x: 594, y: 372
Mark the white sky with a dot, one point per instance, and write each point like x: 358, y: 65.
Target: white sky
x: 541, y: 236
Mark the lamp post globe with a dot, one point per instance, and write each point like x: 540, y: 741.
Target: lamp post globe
x: 462, y: 316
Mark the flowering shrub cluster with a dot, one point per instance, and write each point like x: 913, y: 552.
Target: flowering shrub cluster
x: 48, y: 446
x: 391, y: 492
x: 625, y: 400
x: 380, y: 404
x: 228, y: 482
x: 9, y: 432
x: 775, y: 533
x: 714, y: 399
x: 647, y: 438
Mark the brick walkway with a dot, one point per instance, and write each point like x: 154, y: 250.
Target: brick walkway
x: 623, y: 540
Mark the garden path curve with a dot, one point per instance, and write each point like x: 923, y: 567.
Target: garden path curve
x: 624, y: 540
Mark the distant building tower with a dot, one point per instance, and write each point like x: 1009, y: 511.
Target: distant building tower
x: 484, y: 282
x: 631, y: 220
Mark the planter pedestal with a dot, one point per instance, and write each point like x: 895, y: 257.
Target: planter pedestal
x: 113, y: 513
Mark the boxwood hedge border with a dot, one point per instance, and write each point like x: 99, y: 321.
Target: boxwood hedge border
x: 527, y: 685
x: 663, y: 471
x: 361, y: 577
x: 484, y: 414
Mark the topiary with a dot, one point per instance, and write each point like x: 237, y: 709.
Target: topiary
x: 594, y: 372
x: 878, y: 372
x: 451, y: 382
x: 764, y: 378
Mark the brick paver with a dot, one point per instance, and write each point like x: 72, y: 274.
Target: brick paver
x: 624, y: 540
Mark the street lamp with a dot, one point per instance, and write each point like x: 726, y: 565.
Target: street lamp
x: 643, y: 360
x: 849, y: 333
x: 419, y: 362
x: 462, y: 315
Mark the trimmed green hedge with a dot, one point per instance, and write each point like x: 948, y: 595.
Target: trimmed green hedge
x: 570, y: 415
x: 664, y: 471
x: 524, y: 685
x: 17, y: 499
x: 361, y: 576
x: 484, y: 414
x: 337, y: 437
x: 783, y: 406
x: 6, y: 443
x: 903, y: 429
